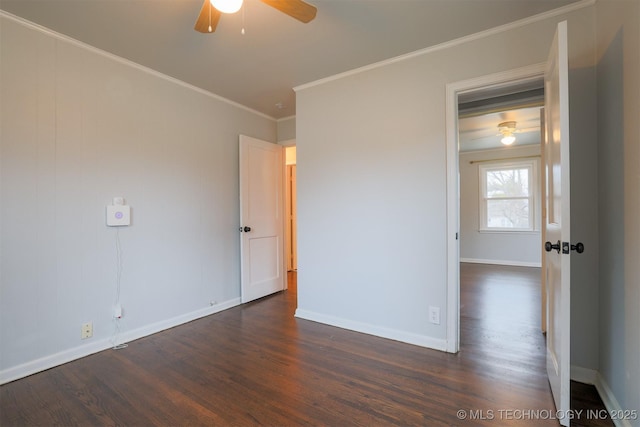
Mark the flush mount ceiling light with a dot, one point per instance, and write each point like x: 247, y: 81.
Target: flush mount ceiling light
x: 507, y: 129
x: 227, y: 6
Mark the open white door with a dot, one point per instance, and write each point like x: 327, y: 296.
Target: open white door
x: 558, y: 257
x: 261, y: 218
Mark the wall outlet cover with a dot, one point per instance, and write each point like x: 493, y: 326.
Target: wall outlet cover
x: 87, y: 330
x: 434, y: 315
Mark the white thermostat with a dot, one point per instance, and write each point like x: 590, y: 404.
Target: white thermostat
x: 118, y: 214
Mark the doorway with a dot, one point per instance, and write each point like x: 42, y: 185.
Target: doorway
x: 471, y: 97
x: 500, y: 137
x: 290, y: 246
x: 499, y: 131
x: 291, y: 249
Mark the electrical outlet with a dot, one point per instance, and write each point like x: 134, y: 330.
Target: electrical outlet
x: 434, y: 315
x: 87, y: 330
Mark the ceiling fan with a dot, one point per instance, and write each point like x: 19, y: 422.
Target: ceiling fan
x: 213, y: 9
x: 508, y: 129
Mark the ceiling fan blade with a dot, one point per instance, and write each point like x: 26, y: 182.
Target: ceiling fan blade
x: 298, y: 9
x: 209, y: 16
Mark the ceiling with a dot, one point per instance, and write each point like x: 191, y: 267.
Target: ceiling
x: 481, y: 111
x: 276, y: 53
x: 481, y: 132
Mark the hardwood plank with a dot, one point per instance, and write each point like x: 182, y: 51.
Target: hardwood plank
x: 258, y: 365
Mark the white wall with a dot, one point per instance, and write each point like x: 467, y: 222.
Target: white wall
x: 286, y: 129
x: 372, y: 220
x: 78, y: 128
x: 618, y: 30
x: 519, y: 248
x: 584, y: 197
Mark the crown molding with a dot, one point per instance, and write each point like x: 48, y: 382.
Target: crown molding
x: 455, y: 42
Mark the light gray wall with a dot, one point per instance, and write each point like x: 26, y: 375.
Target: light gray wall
x: 618, y: 30
x: 286, y: 129
x: 611, y: 209
x: 584, y: 195
x: 79, y: 128
x: 494, y: 247
x: 372, y: 211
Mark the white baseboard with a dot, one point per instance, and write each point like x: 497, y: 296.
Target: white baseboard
x: 583, y: 375
x: 53, y: 360
x: 393, y: 334
x: 610, y: 401
x: 501, y: 262
x: 593, y: 377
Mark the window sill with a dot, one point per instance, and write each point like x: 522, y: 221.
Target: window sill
x: 525, y: 232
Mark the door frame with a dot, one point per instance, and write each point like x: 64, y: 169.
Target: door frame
x: 497, y: 80
x: 286, y: 144
x: 289, y: 226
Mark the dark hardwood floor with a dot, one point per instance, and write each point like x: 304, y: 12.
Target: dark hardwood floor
x: 257, y: 365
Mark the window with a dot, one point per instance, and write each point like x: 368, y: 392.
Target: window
x: 507, y: 196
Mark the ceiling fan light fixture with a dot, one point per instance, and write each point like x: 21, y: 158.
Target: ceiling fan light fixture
x: 508, y: 140
x: 227, y: 6
x: 507, y: 130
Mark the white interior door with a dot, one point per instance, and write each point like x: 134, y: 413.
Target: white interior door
x: 543, y: 226
x: 557, y: 225
x: 261, y: 218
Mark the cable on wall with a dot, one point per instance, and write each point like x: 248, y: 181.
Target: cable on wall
x: 117, y: 318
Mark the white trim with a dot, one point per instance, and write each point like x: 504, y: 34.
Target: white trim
x: 510, y: 232
x: 501, y: 262
x: 288, y: 142
x: 455, y: 42
x: 496, y: 80
x: 366, y: 328
x: 593, y: 377
x: 282, y: 119
x: 53, y: 360
x: 610, y: 401
x: 453, y: 219
x: 121, y: 60
x: 583, y: 375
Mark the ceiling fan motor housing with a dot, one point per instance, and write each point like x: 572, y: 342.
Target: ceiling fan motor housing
x: 507, y: 128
